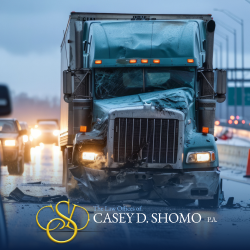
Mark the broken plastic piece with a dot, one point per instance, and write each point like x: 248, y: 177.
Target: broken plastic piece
x: 230, y: 202
x: 18, y: 195
x: 33, y: 183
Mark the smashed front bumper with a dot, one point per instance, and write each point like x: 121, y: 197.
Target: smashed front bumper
x: 108, y: 185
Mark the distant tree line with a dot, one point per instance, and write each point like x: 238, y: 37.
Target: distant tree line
x: 29, y: 109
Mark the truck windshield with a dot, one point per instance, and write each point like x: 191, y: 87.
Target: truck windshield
x: 118, y: 82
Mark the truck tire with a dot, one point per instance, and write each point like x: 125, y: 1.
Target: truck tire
x: 216, y: 201
x: 16, y: 167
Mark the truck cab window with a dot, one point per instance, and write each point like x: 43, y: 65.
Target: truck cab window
x: 168, y: 78
x: 110, y: 83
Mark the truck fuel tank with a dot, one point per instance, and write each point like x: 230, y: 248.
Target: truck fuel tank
x: 206, y: 112
x: 82, y: 114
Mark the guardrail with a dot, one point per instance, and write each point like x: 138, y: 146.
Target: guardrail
x: 233, y: 156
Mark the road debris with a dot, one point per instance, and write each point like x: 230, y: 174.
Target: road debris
x: 19, y: 196
x: 33, y: 183
x: 230, y: 204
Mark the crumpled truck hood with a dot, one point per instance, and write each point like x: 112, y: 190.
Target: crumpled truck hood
x: 179, y: 99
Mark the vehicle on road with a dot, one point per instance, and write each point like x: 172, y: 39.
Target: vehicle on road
x: 5, y: 109
x: 138, y: 100
x: 226, y: 134
x: 11, y: 136
x: 27, y: 139
x: 46, y: 131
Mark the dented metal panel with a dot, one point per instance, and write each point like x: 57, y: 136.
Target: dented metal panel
x: 106, y: 186
x: 180, y: 99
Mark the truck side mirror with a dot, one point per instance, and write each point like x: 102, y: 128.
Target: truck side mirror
x: 5, y: 103
x: 220, y: 85
x: 67, y: 82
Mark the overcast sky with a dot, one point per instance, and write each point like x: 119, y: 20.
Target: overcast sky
x: 31, y: 33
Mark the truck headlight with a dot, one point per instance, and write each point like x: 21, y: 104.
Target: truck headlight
x: 56, y: 132
x: 36, y: 133
x: 89, y: 156
x: 10, y: 143
x: 25, y: 138
x: 200, y: 157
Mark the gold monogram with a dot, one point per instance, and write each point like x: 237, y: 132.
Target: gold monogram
x: 70, y: 221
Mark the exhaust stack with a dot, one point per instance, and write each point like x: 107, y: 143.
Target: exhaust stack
x: 209, y: 45
x: 207, y: 103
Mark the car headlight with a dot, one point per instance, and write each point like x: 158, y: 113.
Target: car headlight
x: 25, y: 138
x: 200, y: 157
x: 89, y: 156
x: 10, y: 143
x: 35, y: 133
x: 56, y: 132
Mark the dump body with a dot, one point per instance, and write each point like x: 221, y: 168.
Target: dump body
x: 140, y: 88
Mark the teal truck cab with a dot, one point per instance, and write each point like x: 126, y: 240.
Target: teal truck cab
x: 138, y: 100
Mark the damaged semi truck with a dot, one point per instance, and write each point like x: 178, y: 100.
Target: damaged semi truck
x: 138, y: 100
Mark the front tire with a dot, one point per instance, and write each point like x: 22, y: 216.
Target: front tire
x: 216, y: 201
x: 16, y: 167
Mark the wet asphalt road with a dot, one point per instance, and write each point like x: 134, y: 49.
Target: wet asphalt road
x: 232, y: 229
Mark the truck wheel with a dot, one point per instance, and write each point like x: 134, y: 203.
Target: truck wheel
x: 216, y: 201
x: 16, y: 167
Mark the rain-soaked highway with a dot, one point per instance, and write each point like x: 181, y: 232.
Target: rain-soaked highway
x: 230, y: 231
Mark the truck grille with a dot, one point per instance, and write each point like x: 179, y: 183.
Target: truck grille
x: 158, y: 139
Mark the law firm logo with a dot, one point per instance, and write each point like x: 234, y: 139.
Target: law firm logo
x: 63, y: 219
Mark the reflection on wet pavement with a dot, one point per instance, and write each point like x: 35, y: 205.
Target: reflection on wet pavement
x: 45, y: 166
x: 232, y: 225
